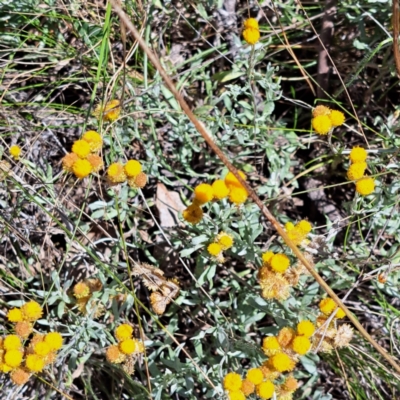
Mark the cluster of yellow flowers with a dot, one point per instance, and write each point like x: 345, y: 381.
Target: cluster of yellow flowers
x: 275, y: 277
x: 223, y: 241
x: 324, y: 119
x: 84, y: 158
x: 127, y: 348
x: 108, y: 112
x: 21, y: 362
x: 83, y: 292
x: 130, y: 172
x: 251, y: 31
x: 229, y: 188
x: 15, y: 152
x: 365, y: 185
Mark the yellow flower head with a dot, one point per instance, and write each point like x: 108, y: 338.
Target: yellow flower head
x: 224, y: 240
x: 81, y: 148
x: 337, y: 118
x: 267, y: 256
x: 269, y: 373
x: 96, y: 162
x: 14, y: 315
x: 327, y: 306
x: 321, y: 124
x: 231, y: 181
x: 285, y: 336
x: 139, y: 181
x: 19, y: 376
x: 114, y: 356
x: 111, y: 111
x: 296, y: 236
x: 34, y: 363
x: 238, y: 195
x: 273, y: 285
x: 358, y: 155
x: 13, y: 358
x: 305, y: 328
x: 31, y: 311
x: 289, y: 226
x: 250, y: 23
x: 116, y: 173
x: 321, y: 110
x: 193, y: 214
x: 220, y: 190
x: 214, y: 249
x: 80, y: 290
x: 304, y: 226
x: 5, y: 368
x: 356, y: 171
x: 54, y: 340
x: 124, y: 332
x: 365, y: 186
x: 247, y: 387
x: 12, y: 342
x: 128, y: 346
x: 340, y: 314
x: 232, y: 381
x: 281, y: 362
x: 94, y: 139
x: 271, y: 346
x: 203, y: 193
x: 81, y: 168
x: 265, y: 390
x: 255, y: 375
x: 132, y: 168
x: 236, y: 395
x: 280, y: 263
x: 23, y: 329
x: 251, y: 36
x: 301, y: 345
x: 68, y: 161
x: 15, y: 152
x: 290, y: 384
x: 42, y: 349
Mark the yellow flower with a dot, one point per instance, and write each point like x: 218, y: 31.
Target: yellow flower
x: 214, y: 249
x: 110, y: 112
x: 282, y: 362
x: 365, y: 186
x: 15, y: 152
x: 220, y: 190
x: 250, y: 23
x: 296, y: 236
x: 80, y: 290
x: 280, y: 263
x: 12, y: 342
x: 114, y: 356
x: 265, y: 390
x: 271, y: 346
x: 23, y: 329
x: 267, y: 256
x: 31, y: 311
x: 321, y: 110
x: 231, y: 181
x: 236, y: 395
x: 81, y: 148
x: 5, y: 368
x: 116, y: 173
x: 273, y: 285
x: 82, y: 168
x: 304, y: 226
x: 327, y: 306
x: 301, y: 345
x: 193, y: 214
x: 269, y: 373
x: 305, y: 328
x: 232, y: 381
x: 356, y: 171
x: 94, y: 139
x: 322, y: 124
x: 54, y: 340
x: 13, y: 358
x: 255, y: 376
x: 238, y: 195
x: 139, y: 181
x: 289, y: 226
x: 42, y: 349
x: 290, y: 384
x: 19, y: 376
x: 14, y: 315
x: 96, y: 162
x: 132, y: 168
x: 247, y: 387
x: 68, y: 161
x: 128, y: 346
x: 34, y: 363
x: 124, y: 332
x: 224, y: 240
x: 285, y: 336
x: 337, y: 118
x: 203, y: 193
x: 251, y: 36
x: 358, y: 155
